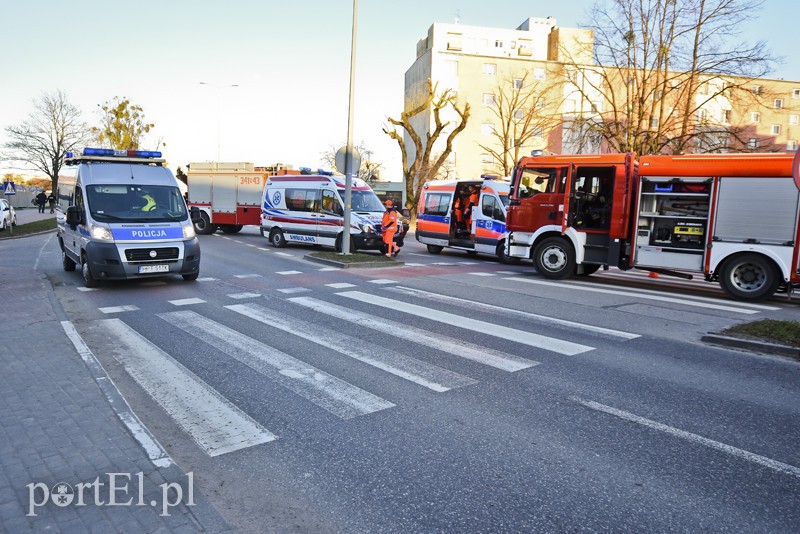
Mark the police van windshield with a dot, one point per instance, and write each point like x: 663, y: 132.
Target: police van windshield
x: 364, y: 201
x: 136, y: 203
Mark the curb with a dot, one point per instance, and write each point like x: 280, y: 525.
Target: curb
x: 3, y: 238
x: 346, y: 265
x: 752, y: 345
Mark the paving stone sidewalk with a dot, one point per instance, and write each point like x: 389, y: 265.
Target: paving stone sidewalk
x: 58, y: 426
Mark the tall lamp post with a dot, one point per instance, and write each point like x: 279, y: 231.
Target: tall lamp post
x: 350, y: 169
x: 218, y: 88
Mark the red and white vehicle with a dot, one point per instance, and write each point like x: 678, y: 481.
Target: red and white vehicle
x: 227, y: 194
x: 731, y: 217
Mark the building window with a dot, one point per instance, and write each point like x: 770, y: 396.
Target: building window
x: 726, y: 116
x: 776, y: 129
x: 488, y: 99
x: 487, y: 128
x: 752, y: 143
x: 653, y: 123
x: 702, y: 115
x: 513, y: 44
x: 490, y: 69
x: 791, y: 145
x: 794, y: 120
x: 778, y: 103
x: 498, y: 44
x: 755, y: 116
x: 539, y: 74
x: 486, y: 158
x: 796, y: 93
x: 537, y: 132
x: 518, y: 114
x: 757, y: 89
x: 517, y: 83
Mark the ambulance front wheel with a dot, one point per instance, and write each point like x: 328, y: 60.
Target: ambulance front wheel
x: 503, y: 257
x: 554, y: 258
x: 276, y: 238
x: 434, y: 249
x: 749, y: 277
x: 203, y: 226
x: 338, y: 244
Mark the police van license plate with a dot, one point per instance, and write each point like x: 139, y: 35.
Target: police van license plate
x: 144, y: 269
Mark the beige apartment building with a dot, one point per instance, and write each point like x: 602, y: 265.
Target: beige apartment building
x: 486, y: 66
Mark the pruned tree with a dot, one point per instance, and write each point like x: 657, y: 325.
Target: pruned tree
x: 425, y: 163
x: 50, y: 131
x: 369, y: 171
x: 122, y: 125
x: 667, y: 74
x: 521, y: 112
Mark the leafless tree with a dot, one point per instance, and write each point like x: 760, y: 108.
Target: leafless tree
x: 50, y: 131
x: 667, y: 73
x: 369, y: 171
x: 521, y: 112
x: 426, y: 164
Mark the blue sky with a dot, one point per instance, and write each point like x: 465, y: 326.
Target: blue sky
x: 289, y: 59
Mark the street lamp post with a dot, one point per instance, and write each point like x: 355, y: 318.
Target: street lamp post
x: 218, y: 88
x: 349, y: 163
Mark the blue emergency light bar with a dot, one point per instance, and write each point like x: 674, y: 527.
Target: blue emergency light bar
x: 110, y: 152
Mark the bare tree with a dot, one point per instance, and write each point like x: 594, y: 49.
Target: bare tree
x: 426, y: 164
x: 122, y: 125
x: 369, y: 171
x: 520, y: 109
x: 50, y: 131
x: 667, y: 74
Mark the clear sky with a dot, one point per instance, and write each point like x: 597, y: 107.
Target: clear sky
x: 289, y: 59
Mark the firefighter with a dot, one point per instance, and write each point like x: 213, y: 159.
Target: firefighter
x: 458, y: 213
x: 389, y: 227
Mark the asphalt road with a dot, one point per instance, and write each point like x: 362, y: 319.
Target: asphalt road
x: 453, y: 394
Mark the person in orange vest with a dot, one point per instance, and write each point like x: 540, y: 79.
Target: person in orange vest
x: 458, y: 213
x: 389, y: 227
x: 471, y: 203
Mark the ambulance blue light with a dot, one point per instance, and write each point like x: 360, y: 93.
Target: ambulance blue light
x: 323, y: 172
x: 537, y: 152
x: 489, y: 176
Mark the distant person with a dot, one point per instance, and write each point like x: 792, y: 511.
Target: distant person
x: 389, y: 227
x: 51, y: 199
x: 41, y: 198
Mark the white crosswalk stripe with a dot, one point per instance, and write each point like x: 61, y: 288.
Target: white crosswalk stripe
x: 334, y: 395
x: 214, y: 423
x: 419, y: 372
x: 456, y: 347
x: 520, y: 336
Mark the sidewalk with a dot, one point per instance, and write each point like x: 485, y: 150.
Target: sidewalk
x: 57, y: 425
x: 26, y: 215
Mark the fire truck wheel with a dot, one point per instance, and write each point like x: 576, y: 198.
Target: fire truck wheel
x: 231, y: 228
x: 503, y: 257
x: 434, y: 249
x: 276, y: 238
x: 204, y: 226
x: 554, y: 258
x: 749, y: 277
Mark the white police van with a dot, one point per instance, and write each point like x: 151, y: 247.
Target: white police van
x: 309, y: 208
x: 121, y: 215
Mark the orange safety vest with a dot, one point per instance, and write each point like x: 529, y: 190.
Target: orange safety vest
x: 389, y: 222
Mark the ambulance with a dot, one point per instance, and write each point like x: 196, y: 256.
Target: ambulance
x: 309, y: 208
x: 121, y: 215
x: 438, y: 224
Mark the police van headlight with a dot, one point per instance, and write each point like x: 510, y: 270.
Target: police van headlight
x: 366, y: 228
x: 188, y: 231
x: 101, y: 232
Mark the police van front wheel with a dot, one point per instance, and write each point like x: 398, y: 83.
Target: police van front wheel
x: 276, y: 238
x: 88, y: 280
x: 66, y: 261
x: 191, y: 277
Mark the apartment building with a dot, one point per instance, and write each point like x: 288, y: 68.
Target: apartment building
x: 553, y: 67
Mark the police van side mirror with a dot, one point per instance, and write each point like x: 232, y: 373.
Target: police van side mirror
x: 194, y: 214
x: 74, y: 216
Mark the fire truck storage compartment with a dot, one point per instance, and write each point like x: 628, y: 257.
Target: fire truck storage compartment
x: 672, y: 222
x: 746, y: 208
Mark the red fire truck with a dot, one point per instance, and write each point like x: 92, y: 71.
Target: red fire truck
x: 731, y: 217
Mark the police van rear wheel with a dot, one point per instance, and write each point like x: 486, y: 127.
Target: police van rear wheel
x: 66, y: 261
x: 88, y: 279
x: 204, y: 226
x: 434, y: 249
x: 276, y: 238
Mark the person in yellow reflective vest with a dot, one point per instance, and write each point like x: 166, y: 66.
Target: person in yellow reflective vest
x: 150, y: 203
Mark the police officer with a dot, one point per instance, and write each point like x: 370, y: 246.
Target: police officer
x: 149, y: 203
x: 389, y: 227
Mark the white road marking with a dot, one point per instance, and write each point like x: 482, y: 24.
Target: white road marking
x: 419, y: 372
x: 237, y: 241
x: 418, y: 254
x: 482, y: 274
x: 444, y: 263
x: 214, y: 423
x: 694, y: 438
x: 410, y: 264
x: 382, y: 281
x: 186, y: 302
x: 468, y: 263
x: 325, y: 269
x: 341, y: 285
x: 252, y: 275
x: 207, y: 279
x: 224, y: 237
x: 472, y: 305
x: 508, y: 272
x: 285, y: 254
x: 288, y: 272
x: 511, y: 334
x: 326, y: 391
x: 239, y: 296
x: 88, y: 289
x: 676, y: 300
x: 140, y: 432
x: 456, y: 347
x: 292, y: 290
x: 119, y: 309
x: 265, y: 249
x: 251, y: 245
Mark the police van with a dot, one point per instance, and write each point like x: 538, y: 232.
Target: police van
x: 121, y: 215
x: 309, y: 208
x: 441, y: 222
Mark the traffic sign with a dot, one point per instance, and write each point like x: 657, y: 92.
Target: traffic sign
x: 341, y: 160
x: 9, y: 189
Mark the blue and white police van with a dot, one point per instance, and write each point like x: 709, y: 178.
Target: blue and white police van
x: 121, y: 215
